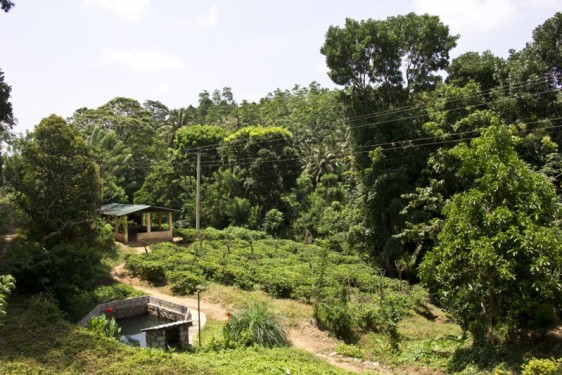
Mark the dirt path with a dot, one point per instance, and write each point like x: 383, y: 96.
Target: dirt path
x: 304, y: 336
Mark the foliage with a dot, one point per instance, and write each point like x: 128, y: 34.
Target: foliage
x: 6, y: 5
x: 7, y: 284
x: 52, y: 346
x: 255, y: 324
x: 542, y: 367
x: 61, y: 269
x: 133, y: 125
x: 101, y: 325
x: 352, y: 351
x: 499, y: 250
x: 114, y: 158
x: 184, y: 282
x: 267, y: 164
x: 60, y: 183
x: 7, y: 119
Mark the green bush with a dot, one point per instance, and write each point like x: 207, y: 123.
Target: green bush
x: 279, y: 284
x: 105, y: 327
x: 237, y: 276
x: 255, y: 324
x: 350, y: 351
x: 115, y: 292
x: 184, y: 282
x: 542, y: 367
x: 336, y: 317
x: 189, y: 235
x: 151, y: 270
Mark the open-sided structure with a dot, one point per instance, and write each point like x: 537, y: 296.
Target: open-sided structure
x: 139, y: 222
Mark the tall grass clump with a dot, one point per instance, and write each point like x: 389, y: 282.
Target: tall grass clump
x: 255, y: 324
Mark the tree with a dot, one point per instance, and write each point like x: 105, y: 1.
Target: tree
x: 267, y: 161
x: 500, y: 250
x: 548, y: 42
x: 134, y: 126
x: 368, y: 53
x: 6, y: 5
x: 384, y: 65
x: 178, y: 119
x: 114, y: 158
x: 7, y: 284
x: 158, y: 111
x: 7, y: 119
x: 60, y: 182
x: 483, y: 69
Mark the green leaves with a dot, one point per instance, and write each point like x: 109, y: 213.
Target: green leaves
x: 500, y: 248
x: 7, y: 284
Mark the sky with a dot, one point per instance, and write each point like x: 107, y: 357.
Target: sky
x: 62, y: 55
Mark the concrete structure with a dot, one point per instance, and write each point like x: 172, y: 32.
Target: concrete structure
x: 175, y: 333
x: 139, y: 222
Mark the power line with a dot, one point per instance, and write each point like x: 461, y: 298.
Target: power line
x: 393, y: 146
x: 395, y: 111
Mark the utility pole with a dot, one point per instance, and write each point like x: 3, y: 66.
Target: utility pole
x: 198, y: 195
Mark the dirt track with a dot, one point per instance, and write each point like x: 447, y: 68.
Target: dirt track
x: 304, y: 336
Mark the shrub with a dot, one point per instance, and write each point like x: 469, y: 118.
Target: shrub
x: 542, y: 367
x: 255, y: 324
x: 350, y: 351
x: 238, y: 276
x: 151, y: 270
x: 279, y: 284
x: 105, y: 327
x: 115, y: 292
x: 336, y: 317
x: 189, y: 235
x: 184, y: 282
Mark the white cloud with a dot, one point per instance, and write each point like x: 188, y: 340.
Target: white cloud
x: 210, y: 19
x: 472, y: 15
x: 133, y: 10
x: 143, y: 61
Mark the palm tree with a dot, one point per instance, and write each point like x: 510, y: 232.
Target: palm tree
x: 178, y: 118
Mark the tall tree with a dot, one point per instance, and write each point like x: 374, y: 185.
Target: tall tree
x: 7, y: 119
x: 60, y: 182
x: 134, y: 126
x: 500, y: 250
x: 6, y: 5
x: 267, y: 161
x: 383, y: 65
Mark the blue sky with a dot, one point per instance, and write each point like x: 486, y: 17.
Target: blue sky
x: 61, y: 55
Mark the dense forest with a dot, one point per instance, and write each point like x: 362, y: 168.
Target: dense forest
x: 442, y: 172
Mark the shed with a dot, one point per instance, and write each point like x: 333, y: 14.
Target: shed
x: 139, y: 222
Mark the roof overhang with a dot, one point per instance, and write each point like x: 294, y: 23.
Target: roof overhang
x: 122, y: 209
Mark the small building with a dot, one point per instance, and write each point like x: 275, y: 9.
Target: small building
x: 139, y: 222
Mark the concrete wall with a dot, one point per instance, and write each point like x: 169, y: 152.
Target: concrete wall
x: 153, y: 236
x: 156, y: 338
x: 138, y: 306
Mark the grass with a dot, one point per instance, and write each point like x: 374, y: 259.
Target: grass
x: 233, y: 298
x: 35, y: 340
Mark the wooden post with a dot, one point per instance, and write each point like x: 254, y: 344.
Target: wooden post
x: 198, y: 195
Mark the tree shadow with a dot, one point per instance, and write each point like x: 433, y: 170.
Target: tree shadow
x: 512, y: 356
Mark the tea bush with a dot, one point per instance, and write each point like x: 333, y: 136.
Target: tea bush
x: 285, y: 269
x: 184, y: 282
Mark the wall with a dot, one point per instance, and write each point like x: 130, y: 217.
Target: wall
x: 138, y: 306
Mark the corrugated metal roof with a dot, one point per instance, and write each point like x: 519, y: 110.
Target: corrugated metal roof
x: 122, y: 209
x: 168, y: 325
